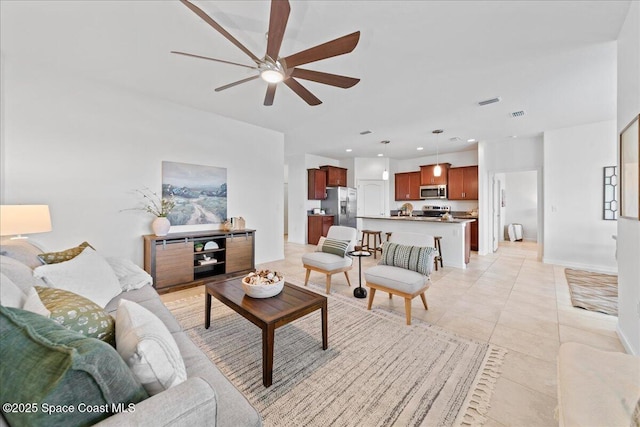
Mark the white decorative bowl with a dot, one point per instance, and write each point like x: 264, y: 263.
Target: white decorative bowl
x: 262, y: 291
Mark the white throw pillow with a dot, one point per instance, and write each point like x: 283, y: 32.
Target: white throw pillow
x: 10, y: 294
x: 88, y: 275
x: 34, y: 304
x: 148, y: 348
x: 129, y: 275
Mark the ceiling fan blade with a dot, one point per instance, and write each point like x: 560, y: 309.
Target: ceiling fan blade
x: 271, y: 92
x: 213, y: 59
x: 302, y: 91
x: 206, y: 18
x: 218, y: 89
x: 339, y: 46
x: 326, y: 78
x: 277, y: 24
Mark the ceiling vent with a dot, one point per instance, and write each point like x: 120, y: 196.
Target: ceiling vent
x: 490, y: 101
x: 518, y: 113
x: 365, y: 132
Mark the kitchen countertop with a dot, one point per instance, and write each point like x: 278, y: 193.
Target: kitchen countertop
x: 421, y: 219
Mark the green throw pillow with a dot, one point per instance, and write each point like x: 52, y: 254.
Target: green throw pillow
x: 415, y: 258
x: 77, y: 313
x: 66, y: 255
x: 47, y: 366
x: 336, y: 247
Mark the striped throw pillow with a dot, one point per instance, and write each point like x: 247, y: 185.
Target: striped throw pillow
x: 336, y: 247
x: 415, y: 258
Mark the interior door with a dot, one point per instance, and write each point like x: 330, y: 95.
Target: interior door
x: 371, y: 197
x: 496, y: 205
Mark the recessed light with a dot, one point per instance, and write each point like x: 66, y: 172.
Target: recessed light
x: 348, y: 150
x: 513, y: 136
x: 365, y: 132
x: 471, y: 140
x: 420, y: 148
x: 379, y: 154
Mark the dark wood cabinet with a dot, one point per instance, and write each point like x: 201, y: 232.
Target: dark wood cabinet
x: 336, y: 177
x: 185, y: 259
x: 316, y: 184
x: 427, y: 177
x: 407, y: 186
x: 463, y: 183
x: 318, y: 226
x: 474, y: 235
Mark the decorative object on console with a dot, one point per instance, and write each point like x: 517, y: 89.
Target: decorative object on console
x: 16, y: 220
x: 272, y: 68
x: 158, y: 206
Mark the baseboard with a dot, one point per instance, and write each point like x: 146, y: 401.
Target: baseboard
x: 579, y: 266
x: 625, y: 342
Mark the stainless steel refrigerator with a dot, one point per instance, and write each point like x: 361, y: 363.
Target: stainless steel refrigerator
x: 341, y: 202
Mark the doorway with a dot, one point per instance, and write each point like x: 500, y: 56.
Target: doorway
x: 516, y: 199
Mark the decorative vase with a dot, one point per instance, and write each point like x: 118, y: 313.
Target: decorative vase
x: 161, y: 226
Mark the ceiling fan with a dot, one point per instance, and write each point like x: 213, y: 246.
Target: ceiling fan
x: 274, y: 69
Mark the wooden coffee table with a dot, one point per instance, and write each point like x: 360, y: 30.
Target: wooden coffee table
x: 267, y: 313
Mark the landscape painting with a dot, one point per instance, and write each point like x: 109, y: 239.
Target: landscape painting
x: 199, y: 192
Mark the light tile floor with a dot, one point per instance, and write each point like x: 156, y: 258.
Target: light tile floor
x: 508, y: 298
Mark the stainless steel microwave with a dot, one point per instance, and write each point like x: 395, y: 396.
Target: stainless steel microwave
x: 433, y: 192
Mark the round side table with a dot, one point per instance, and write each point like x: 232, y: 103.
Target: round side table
x: 360, y: 292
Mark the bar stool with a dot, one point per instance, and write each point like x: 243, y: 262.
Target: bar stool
x: 388, y: 233
x: 439, y: 256
x: 377, y: 241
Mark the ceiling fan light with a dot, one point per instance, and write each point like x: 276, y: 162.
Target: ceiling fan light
x: 272, y: 76
x: 437, y: 171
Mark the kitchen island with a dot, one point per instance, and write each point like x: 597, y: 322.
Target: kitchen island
x: 455, y: 233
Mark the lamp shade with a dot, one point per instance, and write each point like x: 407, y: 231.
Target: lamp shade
x: 437, y: 171
x: 24, y: 219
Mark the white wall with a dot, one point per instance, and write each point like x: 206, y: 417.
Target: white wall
x: 629, y: 229
x: 511, y: 155
x: 574, y: 232
x: 82, y: 148
x: 521, y: 207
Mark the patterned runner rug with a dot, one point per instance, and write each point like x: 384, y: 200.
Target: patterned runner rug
x: 593, y: 291
x: 376, y: 372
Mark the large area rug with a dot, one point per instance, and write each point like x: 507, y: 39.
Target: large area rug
x: 376, y: 372
x: 593, y: 291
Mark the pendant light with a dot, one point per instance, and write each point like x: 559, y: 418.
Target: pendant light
x: 437, y: 171
x: 385, y: 172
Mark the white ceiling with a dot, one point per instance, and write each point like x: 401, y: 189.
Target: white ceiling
x: 423, y: 65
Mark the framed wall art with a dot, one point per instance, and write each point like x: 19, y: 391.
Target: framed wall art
x: 630, y: 170
x: 199, y: 193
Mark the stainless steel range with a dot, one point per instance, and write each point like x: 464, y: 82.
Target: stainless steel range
x: 435, y: 210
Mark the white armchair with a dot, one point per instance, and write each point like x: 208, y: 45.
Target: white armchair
x: 329, y: 263
x: 400, y: 281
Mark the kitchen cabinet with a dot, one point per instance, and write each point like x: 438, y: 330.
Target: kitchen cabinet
x: 318, y: 226
x: 463, y: 183
x: 336, y: 177
x: 407, y: 186
x: 174, y: 262
x: 316, y: 184
x: 427, y: 178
